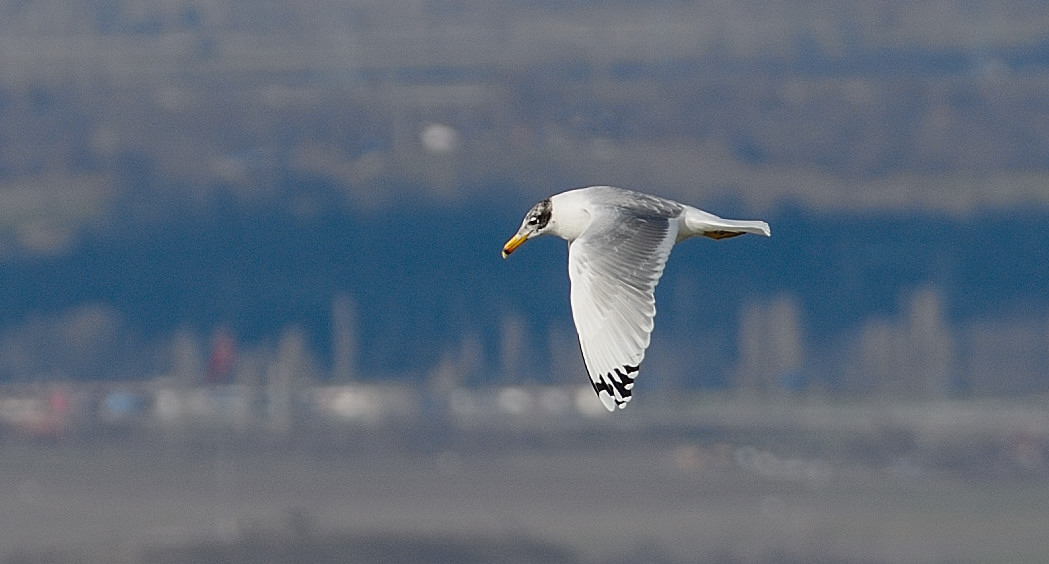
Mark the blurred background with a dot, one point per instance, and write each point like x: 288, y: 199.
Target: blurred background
x: 252, y: 306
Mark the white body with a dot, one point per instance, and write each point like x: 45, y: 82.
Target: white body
x: 618, y: 244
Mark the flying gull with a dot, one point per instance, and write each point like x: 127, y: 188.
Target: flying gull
x: 618, y: 244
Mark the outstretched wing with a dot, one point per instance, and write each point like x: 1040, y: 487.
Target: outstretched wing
x: 614, y: 267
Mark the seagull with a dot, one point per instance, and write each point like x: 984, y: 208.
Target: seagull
x: 618, y: 244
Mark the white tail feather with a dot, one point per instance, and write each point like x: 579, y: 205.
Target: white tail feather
x: 699, y: 222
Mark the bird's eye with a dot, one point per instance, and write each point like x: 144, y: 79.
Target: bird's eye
x: 533, y: 220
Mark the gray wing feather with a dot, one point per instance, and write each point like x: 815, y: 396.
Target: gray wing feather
x: 614, y: 267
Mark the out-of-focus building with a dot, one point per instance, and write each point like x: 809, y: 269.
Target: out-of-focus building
x: 771, y: 348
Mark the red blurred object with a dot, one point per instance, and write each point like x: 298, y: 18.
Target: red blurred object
x: 223, y: 356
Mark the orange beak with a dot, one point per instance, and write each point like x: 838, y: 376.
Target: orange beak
x: 513, y: 243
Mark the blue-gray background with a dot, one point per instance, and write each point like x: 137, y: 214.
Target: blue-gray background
x: 225, y: 223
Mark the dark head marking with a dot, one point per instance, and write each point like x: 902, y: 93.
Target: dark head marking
x: 539, y: 215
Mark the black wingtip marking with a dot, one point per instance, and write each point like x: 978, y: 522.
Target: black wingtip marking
x: 617, y: 384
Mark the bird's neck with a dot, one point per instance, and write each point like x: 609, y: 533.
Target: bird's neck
x: 569, y: 218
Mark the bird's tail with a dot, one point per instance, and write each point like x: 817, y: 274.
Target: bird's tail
x: 699, y: 222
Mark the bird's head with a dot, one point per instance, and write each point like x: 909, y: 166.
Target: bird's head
x: 535, y: 223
